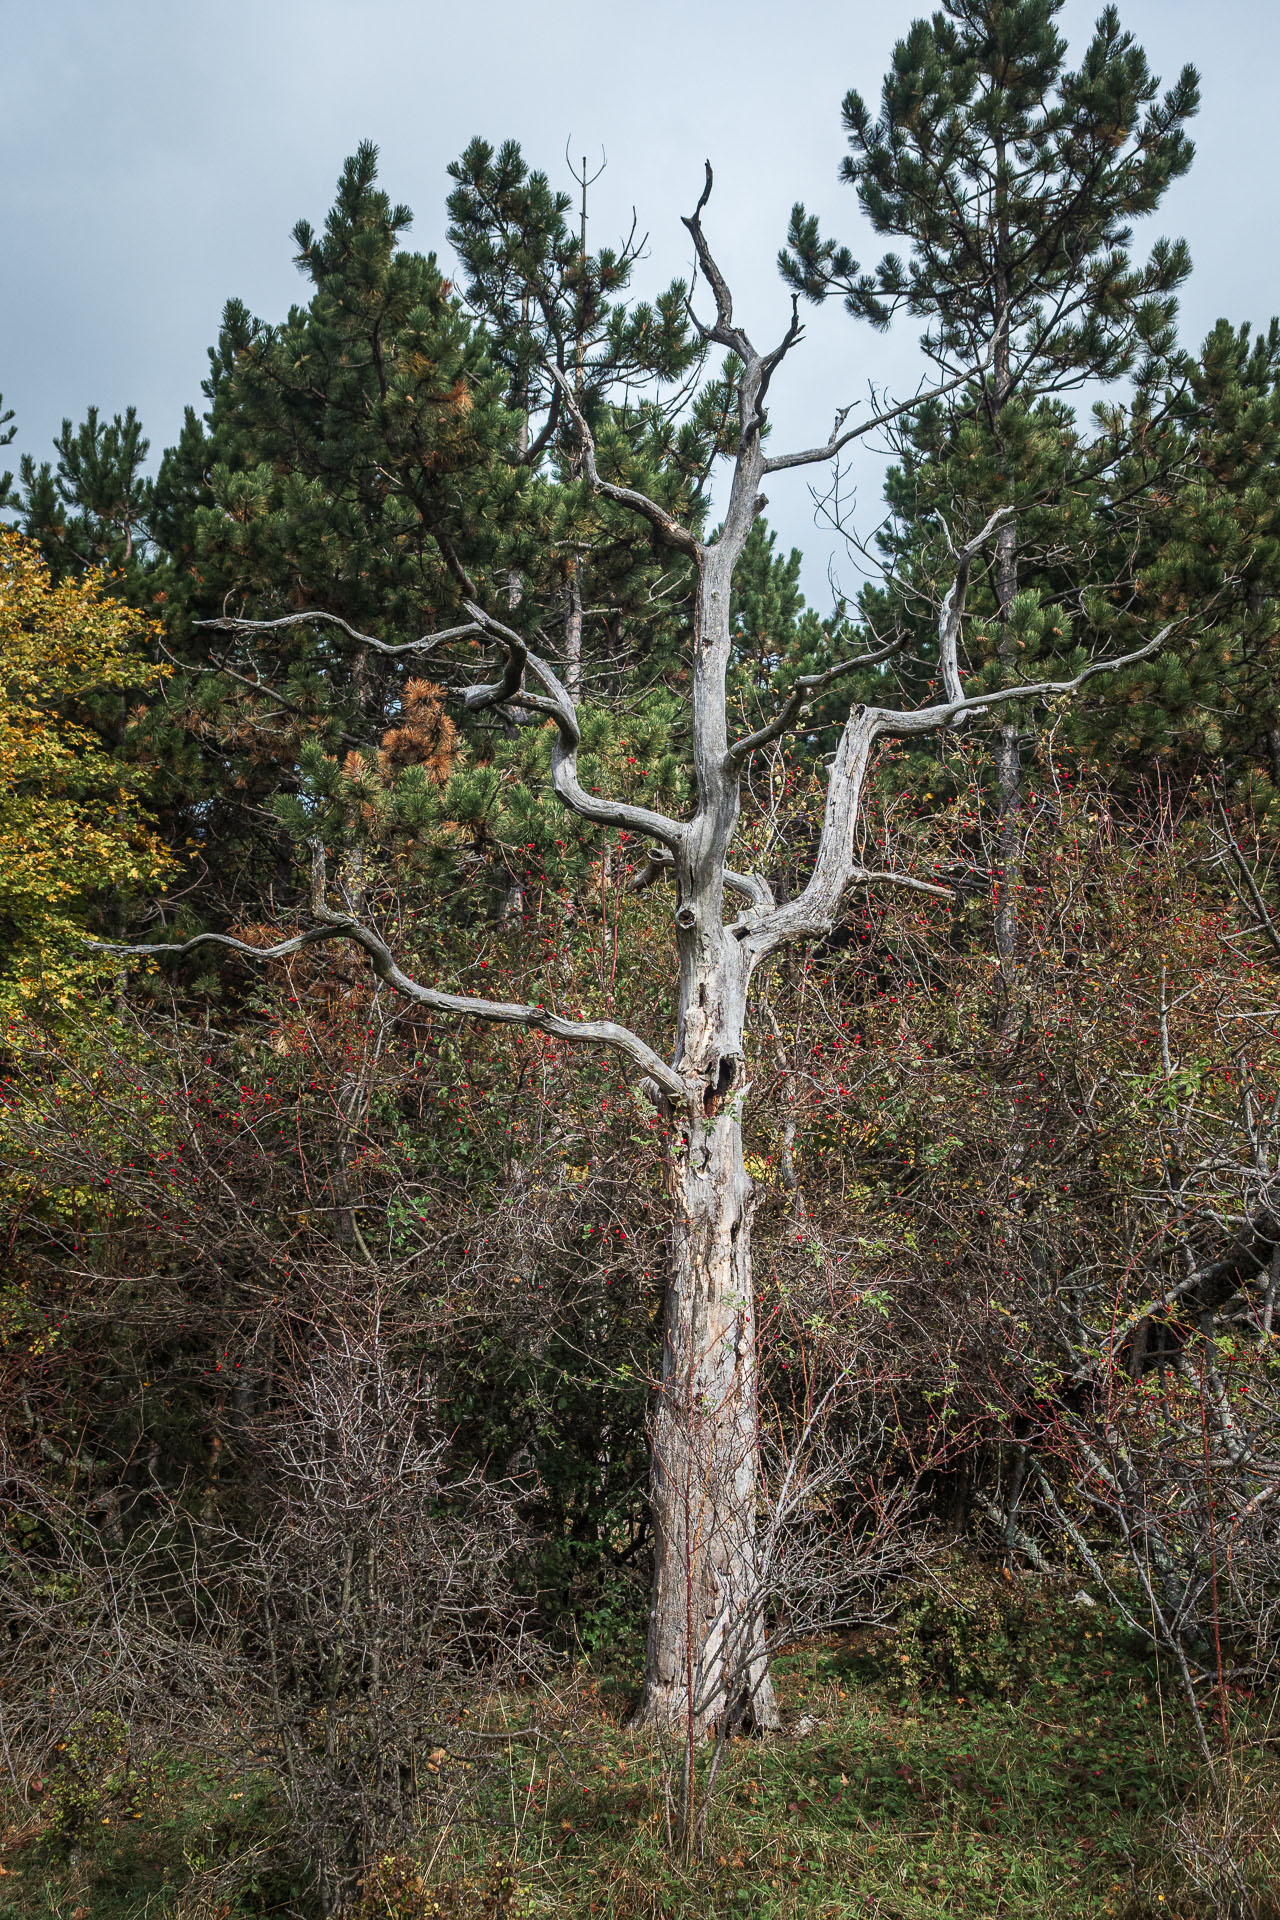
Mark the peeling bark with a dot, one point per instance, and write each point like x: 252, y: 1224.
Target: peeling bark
x: 706, y: 1662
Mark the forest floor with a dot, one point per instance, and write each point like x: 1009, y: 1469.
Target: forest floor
x: 951, y: 1766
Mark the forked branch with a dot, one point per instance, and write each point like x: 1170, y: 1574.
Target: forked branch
x: 557, y: 703
x: 509, y: 689
x: 954, y: 712
x: 798, y: 701
x: 723, y: 331
x: 836, y: 867
x: 952, y: 615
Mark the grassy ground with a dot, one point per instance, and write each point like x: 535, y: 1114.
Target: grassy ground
x: 976, y: 1762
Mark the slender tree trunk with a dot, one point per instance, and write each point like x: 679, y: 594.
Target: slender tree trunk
x: 1008, y: 780
x: 1009, y: 852
x: 1273, y: 748
x: 706, y: 1654
x: 706, y: 1663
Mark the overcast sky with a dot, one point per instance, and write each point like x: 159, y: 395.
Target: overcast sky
x: 156, y: 153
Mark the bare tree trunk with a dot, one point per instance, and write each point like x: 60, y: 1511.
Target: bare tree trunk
x: 706, y: 1655
x: 1008, y: 749
x: 1009, y: 855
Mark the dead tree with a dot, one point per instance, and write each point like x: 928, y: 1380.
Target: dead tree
x: 726, y: 924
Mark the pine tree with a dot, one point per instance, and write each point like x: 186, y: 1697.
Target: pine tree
x: 351, y: 459
x: 549, y: 301
x: 560, y: 324
x: 351, y: 451
x: 1014, y: 180
x: 8, y: 433
x: 93, y: 508
x: 1195, y: 498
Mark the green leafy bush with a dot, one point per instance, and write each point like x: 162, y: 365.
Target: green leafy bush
x: 964, y: 1633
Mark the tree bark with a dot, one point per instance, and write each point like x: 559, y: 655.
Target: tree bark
x: 707, y: 1661
x: 1008, y: 757
x: 572, y: 675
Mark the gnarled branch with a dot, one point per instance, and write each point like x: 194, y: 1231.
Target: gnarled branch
x: 230, y: 623
x: 607, y: 1033
x: 557, y: 703
x: 952, y: 614
x: 955, y: 712
x: 724, y: 332
x: 796, y: 703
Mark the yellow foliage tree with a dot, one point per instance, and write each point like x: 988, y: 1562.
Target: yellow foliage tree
x: 71, y: 820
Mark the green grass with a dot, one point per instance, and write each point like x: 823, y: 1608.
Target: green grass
x: 898, y: 1804
x: 1042, y: 1793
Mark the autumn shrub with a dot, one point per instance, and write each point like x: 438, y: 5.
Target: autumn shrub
x: 396, y: 1887
x: 75, y: 833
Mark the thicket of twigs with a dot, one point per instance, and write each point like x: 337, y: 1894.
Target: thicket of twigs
x: 329, y: 1341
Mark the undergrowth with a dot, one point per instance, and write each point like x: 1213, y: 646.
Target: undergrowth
x: 1000, y: 1752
